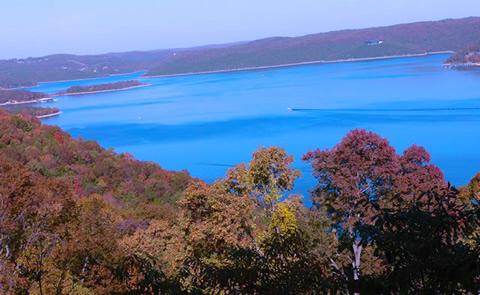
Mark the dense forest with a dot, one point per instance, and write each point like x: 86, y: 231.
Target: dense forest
x: 78, y: 219
x: 413, y: 38
x: 101, y: 87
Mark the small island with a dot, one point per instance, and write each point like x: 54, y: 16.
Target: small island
x: 465, y: 59
x: 14, y: 97
x: 90, y: 89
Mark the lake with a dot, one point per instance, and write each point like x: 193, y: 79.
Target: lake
x: 208, y: 123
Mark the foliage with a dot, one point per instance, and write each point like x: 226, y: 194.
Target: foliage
x: 78, y: 219
x: 266, y: 178
x: 398, y: 208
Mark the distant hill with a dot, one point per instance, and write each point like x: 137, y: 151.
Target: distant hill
x: 30, y: 71
x: 414, y: 38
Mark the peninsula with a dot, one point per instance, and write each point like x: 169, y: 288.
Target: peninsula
x: 14, y: 97
x: 38, y: 112
x: 108, y: 87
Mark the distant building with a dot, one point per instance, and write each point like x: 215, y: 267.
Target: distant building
x: 373, y: 42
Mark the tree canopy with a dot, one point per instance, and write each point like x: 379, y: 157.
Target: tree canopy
x: 78, y: 219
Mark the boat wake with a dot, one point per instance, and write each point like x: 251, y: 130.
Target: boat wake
x: 389, y: 110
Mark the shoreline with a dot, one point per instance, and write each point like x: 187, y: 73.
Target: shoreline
x: 346, y: 60
x: 101, y: 91
x: 49, y: 115
x: 462, y: 65
x: 93, y: 78
x: 45, y: 99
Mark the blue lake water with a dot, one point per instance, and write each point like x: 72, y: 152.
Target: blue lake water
x: 207, y: 123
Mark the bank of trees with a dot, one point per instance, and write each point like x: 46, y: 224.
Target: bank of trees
x: 76, y: 219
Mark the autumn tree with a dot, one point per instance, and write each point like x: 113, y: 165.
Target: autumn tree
x: 295, y: 251
x: 422, y: 243
x: 293, y: 241
x: 35, y: 213
x: 470, y: 194
x: 93, y: 254
x: 352, y: 178
x: 243, y: 235
x: 155, y: 256
x: 266, y: 178
x: 399, y: 206
x: 220, y: 233
x: 421, y: 229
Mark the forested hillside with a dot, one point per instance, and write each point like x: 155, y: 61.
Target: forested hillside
x: 30, y: 71
x: 20, y: 72
x: 414, y: 38
x: 78, y: 219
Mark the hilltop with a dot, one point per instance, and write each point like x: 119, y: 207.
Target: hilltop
x: 403, y: 39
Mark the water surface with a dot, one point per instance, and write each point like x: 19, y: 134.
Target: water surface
x: 207, y: 123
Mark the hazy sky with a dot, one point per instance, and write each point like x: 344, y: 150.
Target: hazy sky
x: 40, y: 27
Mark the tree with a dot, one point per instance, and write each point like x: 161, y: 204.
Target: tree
x: 352, y: 178
x: 267, y: 177
x: 422, y: 242
x: 412, y: 221
x: 295, y: 251
x: 416, y: 177
x: 92, y: 254
x: 219, y: 229
x: 470, y: 194
x: 35, y: 212
x: 241, y: 238
x: 421, y: 228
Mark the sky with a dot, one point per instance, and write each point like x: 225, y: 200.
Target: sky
x: 42, y: 27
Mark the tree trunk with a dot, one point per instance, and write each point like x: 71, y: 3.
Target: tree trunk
x: 357, y: 253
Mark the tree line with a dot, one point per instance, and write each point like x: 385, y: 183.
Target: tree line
x: 77, y: 219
